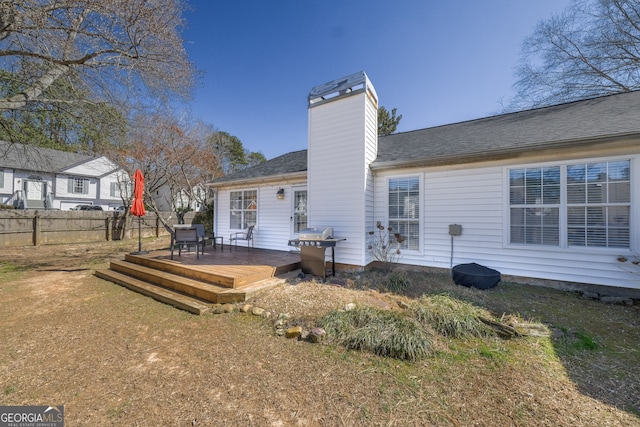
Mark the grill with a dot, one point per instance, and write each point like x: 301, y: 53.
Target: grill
x: 313, y: 243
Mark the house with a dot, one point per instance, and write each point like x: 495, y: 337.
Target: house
x: 550, y: 194
x: 42, y: 178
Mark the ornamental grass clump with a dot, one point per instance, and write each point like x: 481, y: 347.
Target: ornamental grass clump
x: 381, y: 332
x: 397, y: 283
x: 451, y: 317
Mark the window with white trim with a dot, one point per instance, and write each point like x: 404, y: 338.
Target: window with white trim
x: 599, y: 204
x: 243, y: 209
x: 121, y: 189
x: 534, y: 199
x: 78, y: 185
x: 404, y: 210
x: 575, y: 205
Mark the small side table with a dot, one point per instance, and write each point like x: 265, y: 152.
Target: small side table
x: 215, y: 239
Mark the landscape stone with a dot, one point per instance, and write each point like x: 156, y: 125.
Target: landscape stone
x: 257, y: 311
x: 316, y: 335
x: 616, y: 300
x: 228, y: 308
x: 294, y: 332
x: 245, y: 308
x: 402, y: 304
x: 350, y: 306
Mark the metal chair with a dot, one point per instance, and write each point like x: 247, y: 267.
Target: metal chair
x: 246, y: 236
x: 186, y: 237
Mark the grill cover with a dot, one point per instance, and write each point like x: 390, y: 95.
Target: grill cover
x: 475, y: 275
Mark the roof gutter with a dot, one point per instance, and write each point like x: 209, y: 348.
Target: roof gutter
x: 257, y: 180
x: 502, y: 154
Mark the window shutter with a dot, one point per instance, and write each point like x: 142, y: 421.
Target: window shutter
x: 70, y: 185
x: 85, y: 187
x: 112, y: 191
x: 1, y: 178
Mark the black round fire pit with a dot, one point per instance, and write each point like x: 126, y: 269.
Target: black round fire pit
x: 475, y: 275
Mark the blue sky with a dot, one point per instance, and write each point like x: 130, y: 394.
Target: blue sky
x: 437, y: 62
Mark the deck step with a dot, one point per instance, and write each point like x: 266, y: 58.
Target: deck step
x: 166, y: 296
x: 229, y: 276
x: 205, y: 291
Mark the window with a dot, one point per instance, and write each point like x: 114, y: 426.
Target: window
x: 121, y: 189
x: 404, y: 210
x: 78, y: 186
x: 598, y: 204
x: 299, y: 210
x: 244, y: 208
x: 534, y: 199
x: 592, y: 199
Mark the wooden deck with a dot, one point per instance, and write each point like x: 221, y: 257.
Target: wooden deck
x: 196, y: 283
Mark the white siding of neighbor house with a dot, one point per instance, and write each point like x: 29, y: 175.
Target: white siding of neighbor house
x: 342, y: 143
x: 477, y: 199
x: 273, y: 228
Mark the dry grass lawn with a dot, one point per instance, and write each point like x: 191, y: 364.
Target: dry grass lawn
x: 114, y: 357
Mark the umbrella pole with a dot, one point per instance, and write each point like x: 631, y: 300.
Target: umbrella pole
x: 140, y: 251
x: 139, y: 237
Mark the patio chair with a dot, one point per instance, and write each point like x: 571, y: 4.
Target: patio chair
x: 245, y: 236
x: 201, y: 235
x: 186, y: 237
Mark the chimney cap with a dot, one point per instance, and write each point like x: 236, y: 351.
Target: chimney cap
x: 338, y: 87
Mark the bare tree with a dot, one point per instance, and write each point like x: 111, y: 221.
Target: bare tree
x: 175, y: 159
x: 591, y: 49
x: 109, y: 49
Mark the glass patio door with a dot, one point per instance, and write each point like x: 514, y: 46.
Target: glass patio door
x: 299, y: 215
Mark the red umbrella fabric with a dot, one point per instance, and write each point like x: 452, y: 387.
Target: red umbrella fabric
x: 137, y: 208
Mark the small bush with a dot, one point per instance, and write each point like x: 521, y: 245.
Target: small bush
x: 381, y: 332
x: 397, y: 283
x: 451, y: 317
x: 385, y: 246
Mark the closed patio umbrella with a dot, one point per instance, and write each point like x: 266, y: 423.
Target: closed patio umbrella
x: 137, y: 208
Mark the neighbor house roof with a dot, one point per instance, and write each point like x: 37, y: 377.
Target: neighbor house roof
x: 37, y: 159
x: 565, y: 125
x: 288, y: 165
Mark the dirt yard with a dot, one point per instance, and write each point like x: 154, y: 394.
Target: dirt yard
x: 114, y: 357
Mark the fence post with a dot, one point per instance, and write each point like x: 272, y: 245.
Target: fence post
x: 109, y: 226
x: 36, y: 230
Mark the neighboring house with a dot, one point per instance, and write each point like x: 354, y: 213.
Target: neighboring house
x: 42, y: 178
x: 551, y: 193
x: 194, y: 200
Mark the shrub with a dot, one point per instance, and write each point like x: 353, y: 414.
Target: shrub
x: 451, y: 317
x: 397, y: 283
x: 381, y: 332
x: 385, y: 246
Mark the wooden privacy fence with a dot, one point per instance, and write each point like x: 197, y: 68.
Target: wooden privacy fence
x: 49, y: 227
